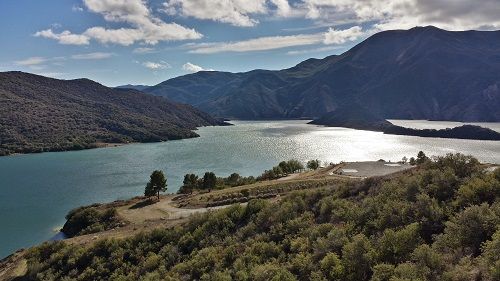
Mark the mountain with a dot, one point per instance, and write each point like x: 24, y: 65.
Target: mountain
x: 471, y: 132
x: 133, y: 87
x: 44, y: 114
x: 420, y: 73
x: 355, y: 117
x: 358, y: 117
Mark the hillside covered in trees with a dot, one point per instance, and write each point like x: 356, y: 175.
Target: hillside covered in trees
x: 440, y: 221
x: 43, y: 114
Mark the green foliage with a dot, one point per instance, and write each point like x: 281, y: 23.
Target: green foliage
x: 412, y: 161
x: 313, y: 164
x: 395, y: 246
x: 477, y: 190
x: 157, y: 183
x: 283, y: 169
x: 491, y: 256
x: 398, y: 228
x: 332, y: 267
x: 468, y: 229
x: 90, y: 219
x: 192, y: 182
x: 189, y: 184
x: 358, y: 257
x: 421, y: 158
x: 209, y: 181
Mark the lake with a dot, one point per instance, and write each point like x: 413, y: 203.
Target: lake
x: 37, y: 190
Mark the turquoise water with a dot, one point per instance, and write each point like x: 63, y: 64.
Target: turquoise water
x: 37, y: 190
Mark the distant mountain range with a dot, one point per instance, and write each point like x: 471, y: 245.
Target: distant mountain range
x: 133, y: 87
x: 421, y: 73
x: 43, y: 114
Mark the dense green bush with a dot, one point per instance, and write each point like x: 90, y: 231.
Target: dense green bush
x: 210, y: 181
x: 283, y: 169
x: 90, y: 219
x: 418, y: 226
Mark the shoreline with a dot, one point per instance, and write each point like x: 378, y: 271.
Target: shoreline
x: 111, y: 145
x: 99, y: 145
x: 227, y: 123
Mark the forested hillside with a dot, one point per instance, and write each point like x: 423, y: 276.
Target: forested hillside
x: 440, y: 221
x: 43, y: 114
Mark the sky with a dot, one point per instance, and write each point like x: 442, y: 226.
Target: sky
x: 117, y: 42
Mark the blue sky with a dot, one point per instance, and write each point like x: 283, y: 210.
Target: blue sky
x: 119, y: 42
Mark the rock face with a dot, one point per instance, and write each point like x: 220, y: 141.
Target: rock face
x: 43, y: 114
x: 421, y: 73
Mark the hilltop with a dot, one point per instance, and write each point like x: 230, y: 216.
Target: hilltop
x: 44, y: 114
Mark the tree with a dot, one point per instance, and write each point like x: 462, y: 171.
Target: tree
x: 404, y: 160
x: 157, y: 183
x: 412, y: 161
x: 295, y: 166
x: 209, y: 181
x: 283, y: 165
x: 421, y: 158
x: 332, y: 267
x: 233, y: 179
x: 313, y: 164
x: 190, y: 182
x: 357, y: 258
x: 277, y: 172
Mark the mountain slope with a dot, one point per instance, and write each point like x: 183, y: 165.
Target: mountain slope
x: 421, y: 73
x: 44, y: 114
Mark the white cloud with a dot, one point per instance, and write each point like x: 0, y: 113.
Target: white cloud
x: 32, y: 61
x: 259, y: 44
x: 314, y: 50
x: 143, y: 50
x: 77, y: 8
x: 402, y: 14
x: 194, y: 68
x: 283, y: 8
x: 39, y: 63
x: 122, y: 36
x: 65, y: 37
x: 332, y: 36
x: 51, y: 74
x: 382, y: 14
x: 144, y: 27
x: 92, y: 56
x: 235, y: 12
x: 156, y: 65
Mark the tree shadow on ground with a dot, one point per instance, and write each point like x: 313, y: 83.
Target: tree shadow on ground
x: 143, y: 203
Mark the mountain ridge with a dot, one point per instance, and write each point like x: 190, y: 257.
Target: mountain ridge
x: 45, y: 114
x: 420, y: 73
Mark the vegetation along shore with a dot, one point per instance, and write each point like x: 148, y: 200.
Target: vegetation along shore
x: 436, y: 220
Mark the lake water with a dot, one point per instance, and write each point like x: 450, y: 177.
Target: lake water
x: 37, y: 190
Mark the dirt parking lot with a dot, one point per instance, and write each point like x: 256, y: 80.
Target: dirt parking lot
x: 371, y: 168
